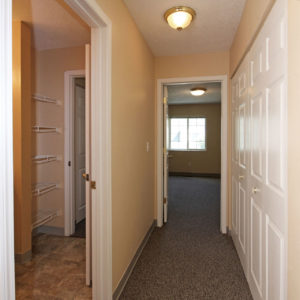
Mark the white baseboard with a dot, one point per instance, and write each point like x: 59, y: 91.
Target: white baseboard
x: 117, y: 293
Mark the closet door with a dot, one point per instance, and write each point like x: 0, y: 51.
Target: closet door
x: 268, y: 159
x: 241, y: 162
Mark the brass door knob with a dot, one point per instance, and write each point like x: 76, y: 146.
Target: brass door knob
x: 86, y: 176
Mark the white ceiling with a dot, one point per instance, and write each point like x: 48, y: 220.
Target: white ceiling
x: 54, y: 24
x: 212, y: 30
x: 180, y: 94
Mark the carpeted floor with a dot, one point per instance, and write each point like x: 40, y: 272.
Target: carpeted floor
x: 189, y: 258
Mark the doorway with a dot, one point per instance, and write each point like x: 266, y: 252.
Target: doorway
x: 75, y: 152
x: 162, y: 147
x: 101, y: 37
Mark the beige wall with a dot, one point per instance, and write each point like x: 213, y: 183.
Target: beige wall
x: 205, y: 162
x: 253, y: 15
x: 22, y: 137
x: 293, y: 150
x: 132, y: 127
x: 203, y: 64
x: 48, y: 79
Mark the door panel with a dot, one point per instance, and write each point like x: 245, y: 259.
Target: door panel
x: 234, y: 205
x: 240, y: 163
x: 275, y: 139
x: 242, y: 218
x: 256, y: 137
x: 256, y: 244
x: 274, y: 261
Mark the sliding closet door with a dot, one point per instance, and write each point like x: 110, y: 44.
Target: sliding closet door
x: 240, y: 162
x: 268, y: 159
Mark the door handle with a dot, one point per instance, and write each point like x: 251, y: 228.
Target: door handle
x: 241, y: 177
x: 255, y: 190
x: 86, y: 176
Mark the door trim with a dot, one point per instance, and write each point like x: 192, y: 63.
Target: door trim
x: 224, y: 140
x: 101, y: 47
x: 70, y: 214
x: 7, y: 263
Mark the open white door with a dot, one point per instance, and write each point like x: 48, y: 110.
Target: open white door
x: 88, y: 227
x: 166, y: 168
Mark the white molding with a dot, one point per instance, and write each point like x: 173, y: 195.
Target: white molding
x: 69, y: 149
x: 224, y: 139
x: 101, y: 40
x: 7, y: 274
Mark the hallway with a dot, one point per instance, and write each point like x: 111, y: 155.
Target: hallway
x: 189, y: 258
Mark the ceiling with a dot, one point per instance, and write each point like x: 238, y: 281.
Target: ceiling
x: 180, y: 93
x: 53, y: 22
x: 212, y: 30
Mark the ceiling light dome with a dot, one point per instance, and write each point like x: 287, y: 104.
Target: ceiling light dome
x: 179, y: 17
x: 198, y: 91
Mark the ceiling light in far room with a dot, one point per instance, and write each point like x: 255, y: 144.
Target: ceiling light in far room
x: 179, y: 17
x: 198, y: 91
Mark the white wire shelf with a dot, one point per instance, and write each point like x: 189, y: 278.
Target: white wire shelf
x: 45, y: 129
x: 43, y: 188
x: 42, y: 159
x: 43, y: 217
x: 45, y: 99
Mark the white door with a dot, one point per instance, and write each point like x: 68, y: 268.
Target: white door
x: 268, y: 160
x: 88, y: 226
x: 259, y: 161
x: 240, y: 163
x: 79, y: 139
x: 165, y: 154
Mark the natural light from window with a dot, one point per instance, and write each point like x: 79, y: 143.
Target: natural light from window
x: 187, y: 134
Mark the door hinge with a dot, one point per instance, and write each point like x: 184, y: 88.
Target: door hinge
x: 69, y: 163
x: 165, y: 200
x: 93, y: 184
x: 165, y: 100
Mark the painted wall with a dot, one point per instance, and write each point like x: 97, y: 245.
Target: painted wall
x: 22, y: 138
x: 132, y: 127
x: 293, y: 150
x: 208, y: 161
x: 48, y: 80
x: 254, y: 14
x: 203, y: 64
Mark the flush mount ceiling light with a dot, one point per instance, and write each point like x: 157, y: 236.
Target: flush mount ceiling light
x: 179, y: 17
x: 198, y: 91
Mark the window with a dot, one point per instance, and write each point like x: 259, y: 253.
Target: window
x: 187, y: 134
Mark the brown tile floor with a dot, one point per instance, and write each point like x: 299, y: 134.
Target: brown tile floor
x: 56, y: 271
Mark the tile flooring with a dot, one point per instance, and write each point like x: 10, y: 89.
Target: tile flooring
x: 56, y: 271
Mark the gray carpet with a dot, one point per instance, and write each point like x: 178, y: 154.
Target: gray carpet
x: 189, y: 258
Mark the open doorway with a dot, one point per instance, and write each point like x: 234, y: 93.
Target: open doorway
x: 48, y: 39
x: 182, y: 136
x: 192, y: 163
x: 101, y: 36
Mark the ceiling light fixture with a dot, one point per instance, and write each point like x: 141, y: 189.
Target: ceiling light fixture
x: 198, y: 91
x: 179, y: 17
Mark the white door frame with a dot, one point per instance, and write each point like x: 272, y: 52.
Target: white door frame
x: 224, y: 139
x: 7, y: 264
x: 70, y: 214
x: 101, y: 39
